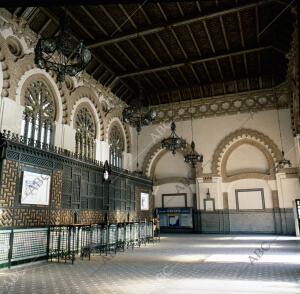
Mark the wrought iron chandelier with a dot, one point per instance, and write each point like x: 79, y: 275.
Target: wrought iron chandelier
x: 137, y: 171
x: 282, y: 162
x: 137, y: 115
x: 173, y: 142
x: 193, y: 157
x: 62, y: 53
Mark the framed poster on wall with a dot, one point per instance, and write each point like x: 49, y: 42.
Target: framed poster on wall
x: 250, y: 199
x: 144, y: 201
x: 209, y: 204
x: 174, y: 200
x: 35, y: 188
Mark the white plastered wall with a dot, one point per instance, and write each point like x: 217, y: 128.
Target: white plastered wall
x: 174, y: 188
x: 208, y: 132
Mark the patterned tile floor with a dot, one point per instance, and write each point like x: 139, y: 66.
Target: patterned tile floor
x: 178, y: 264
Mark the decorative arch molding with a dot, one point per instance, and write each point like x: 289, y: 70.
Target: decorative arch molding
x: 91, y: 98
x: 4, y: 70
x: 39, y: 74
x: 86, y: 102
x: 126, y: 133
x: 154, y: 155
x: 238, y: 138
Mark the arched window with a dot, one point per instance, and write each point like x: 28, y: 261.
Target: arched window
x: 116, y: 143
x: 85, y: 133
x: 39, y: 113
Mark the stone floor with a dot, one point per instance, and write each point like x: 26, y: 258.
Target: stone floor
x: 178, y: 264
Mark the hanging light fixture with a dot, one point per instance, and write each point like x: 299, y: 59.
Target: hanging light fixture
x: 137, y: 115
x: 62, y: 53
x: 282, y: 162
x: 106, y: 172
x: 193, y: 157
x: 137, y: 171
x: 173, y: 142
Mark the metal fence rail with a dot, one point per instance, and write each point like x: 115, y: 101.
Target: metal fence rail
x: 64, y: 243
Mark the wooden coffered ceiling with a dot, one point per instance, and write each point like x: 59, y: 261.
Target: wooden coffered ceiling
x: 177, y: 50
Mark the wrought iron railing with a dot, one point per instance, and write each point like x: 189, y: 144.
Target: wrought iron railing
x: 62, y: 243
x: 18, y: 139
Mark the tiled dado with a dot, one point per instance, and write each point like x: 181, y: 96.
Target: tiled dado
x: 12, y: 214
x: 56, y: 186
x: 6, y: 216
x: 30, y: 217
x: 9, y: 182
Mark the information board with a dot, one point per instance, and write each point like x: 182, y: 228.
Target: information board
x: 175, y: 217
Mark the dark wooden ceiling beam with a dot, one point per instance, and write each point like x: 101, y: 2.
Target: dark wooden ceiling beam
x: 126, y: 55
x: 194, y: 86
x: 101, y: 78
x: 115, y: 60
x: 194, y: 61
x: 128, y: 17
x: 96, y: 69
x: 153, y: 52
x: 134, y: 47
x: 213, y: 50
x: 94, y: 20
x: 157, y: 29
x: 182, y: 75
x: 118, y: 90
x: 258, y: 42
x: 151, y: 49
x: 180, y: 46
x: 164, y: 85
x: 194, y: 42
x: 172, y: 78
x: 165, y: 47
x: 111, y: 81
x: 228, y: 48
x: 243, y: 46
x: 118, y: 27
x: 140, y: 7
x: 82, y: 27
x: 138, y: 52
x: 45, y: 25
x: 149, y: 82
x: 194, y: 73
x: 160, y: 39
x: 124, y: 94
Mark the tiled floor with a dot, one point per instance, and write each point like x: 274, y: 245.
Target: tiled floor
x: 178, y: 264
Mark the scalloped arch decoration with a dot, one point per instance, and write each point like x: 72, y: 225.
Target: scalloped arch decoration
x: 239, y: 137
x: 153, y: 156
x: 35, y: 74
x: 124, y: 128
x: 85, y: 92
x: 4, y: 74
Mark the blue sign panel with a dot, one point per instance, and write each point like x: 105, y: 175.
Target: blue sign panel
x: 175, y: 217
